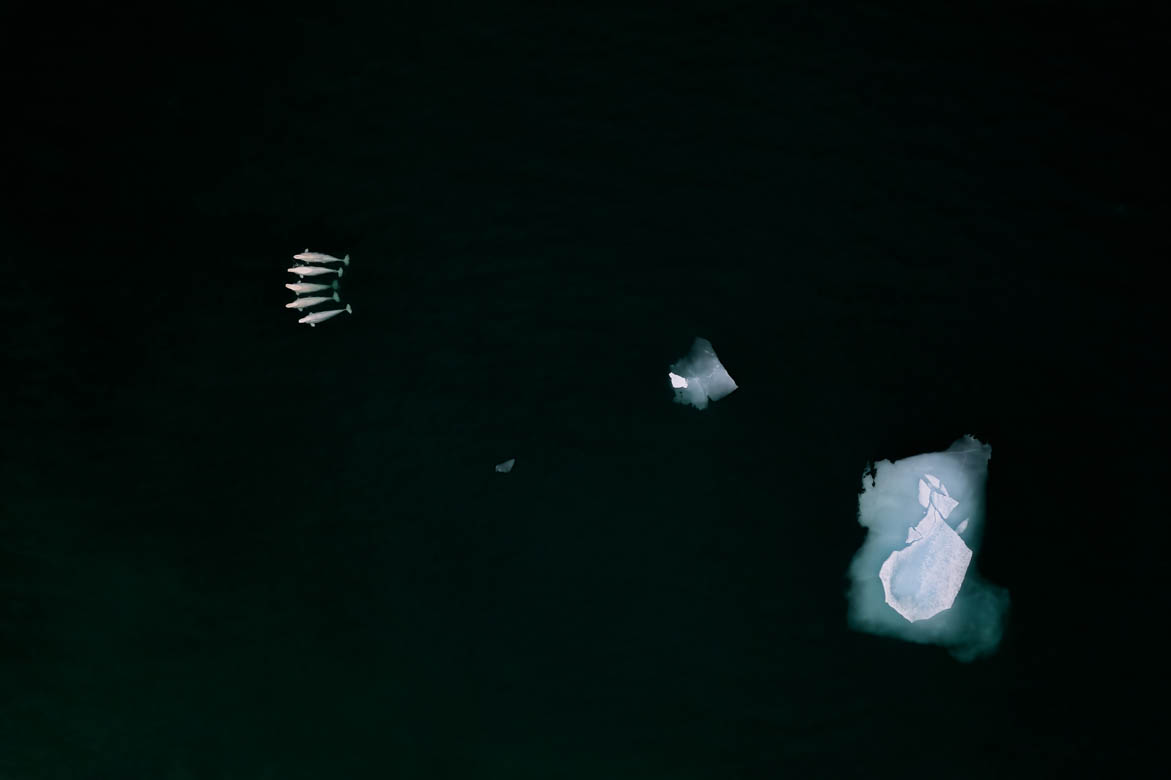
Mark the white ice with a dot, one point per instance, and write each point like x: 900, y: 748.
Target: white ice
x: 912, y: 577
x: 922, y: 579
x: 700, y: 377
x: 506, y: 466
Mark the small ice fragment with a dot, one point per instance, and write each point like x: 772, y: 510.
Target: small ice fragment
x: 944, y: 503
x: 927, y: 525
x: 700, y: 377
x: 934, y: 480
x: 506, y: 466
x: 924, y: 494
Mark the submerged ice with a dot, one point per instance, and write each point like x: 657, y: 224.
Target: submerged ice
x: 700, y: 377
x: 912, y: 577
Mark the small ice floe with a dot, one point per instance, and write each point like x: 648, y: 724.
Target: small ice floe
x: 307, y: 287
x: 313, y: 270
x: 700, y: 377
x: 319, y: 257
x: 321, y: 316
x: 506, y: 466
x: 313, y: 300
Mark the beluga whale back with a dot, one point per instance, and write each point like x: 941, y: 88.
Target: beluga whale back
x: 313, y: 264
x: 321, y: 316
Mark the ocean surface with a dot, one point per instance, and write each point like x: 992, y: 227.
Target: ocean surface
x: 232, y: 546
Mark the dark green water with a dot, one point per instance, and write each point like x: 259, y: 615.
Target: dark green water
x: 235, y: 547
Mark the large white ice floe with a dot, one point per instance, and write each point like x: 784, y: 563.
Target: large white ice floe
x: 700, y: 377
x: 913, y: 576
x: 922, y: 579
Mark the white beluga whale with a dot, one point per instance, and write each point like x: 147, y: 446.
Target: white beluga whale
x: 319, y: 257
x: 506, y: 466
x: 313, y: 270
x: 308, y: 287
x: 321, y: 316
x: 305, y: 303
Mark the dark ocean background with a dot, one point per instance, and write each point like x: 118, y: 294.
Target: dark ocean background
x: 235, y: 547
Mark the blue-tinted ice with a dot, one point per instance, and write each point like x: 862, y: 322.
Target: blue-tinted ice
x: 912, y: 577
x: 700, y: 377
